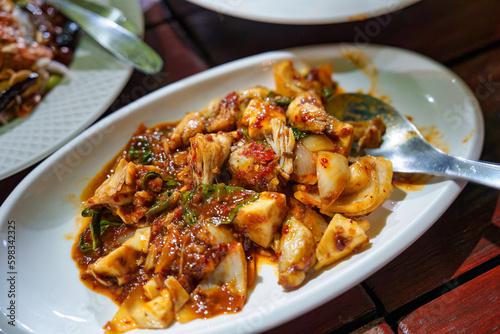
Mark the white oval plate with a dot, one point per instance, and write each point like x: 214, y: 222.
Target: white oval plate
x: 304, y: 12
x: 96, y: 79
x: 49, y: 297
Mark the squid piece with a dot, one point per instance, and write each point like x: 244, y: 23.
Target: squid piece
x: 208, y: 154
x: 296, y: 253
x: 178, y: 294
x: 262, y: 219
x: 282, y: 141
x: 228, y: 281
x: 368, y: 197
x: 359, y: 177
x: 307, y: 113
x: 309, y: 218
x: 151, y: 306
x: 187, y: 128
x: 258, y: 116
x: 333, y: 172
x: 123, y: 260
x: 156, y: 313
x: 342, y: 237
x: 307, y: 195
x: 118, y: 189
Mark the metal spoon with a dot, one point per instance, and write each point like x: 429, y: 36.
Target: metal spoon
x: 405, y: 146
x: 119, y: 41
x: 111, y: 13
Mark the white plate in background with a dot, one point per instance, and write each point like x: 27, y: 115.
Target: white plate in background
x: 49, y: 295
x: 304, y: 12
x: 96, y: 78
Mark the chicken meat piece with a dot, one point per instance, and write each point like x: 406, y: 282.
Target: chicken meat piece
x: 307, y: 113
x: 187, y: 128
x: 289, y: 82
x: 222, y: 114
x: 208, y: 154
x: 246, y: 95
x: 282, y: 141
x: 253, y: 166
x: 119, y: 189
x: 258, y: 116
x: 369, y: 133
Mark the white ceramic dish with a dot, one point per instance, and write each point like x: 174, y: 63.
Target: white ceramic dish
x: 95, y: 80
x: 304, y: 12
x: 49, y: 298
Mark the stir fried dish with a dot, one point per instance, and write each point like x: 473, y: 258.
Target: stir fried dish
x: 177, y: 220
x: 36, y: 45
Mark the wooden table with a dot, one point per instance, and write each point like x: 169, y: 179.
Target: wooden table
x: 448, y: 280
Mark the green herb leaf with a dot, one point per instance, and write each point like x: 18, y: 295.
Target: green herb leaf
x: 188, y: 214
x: 94, y: 226
x: 299, y: 134
x: 83, y: 245
x: 282, y: 101
x: 327, y: 92
x: 170, y: 181
x: 21, y: 4
x: 166, y: 202
x: 143, y: 154
x: 147, y: 157
x: 104, y: 224
x: 217, y: 198
x: 133, y: 152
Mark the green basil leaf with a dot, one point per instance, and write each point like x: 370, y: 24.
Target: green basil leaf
x: 299, y: 134
x: 327, y: 92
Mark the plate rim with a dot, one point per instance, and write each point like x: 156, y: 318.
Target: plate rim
x: 412, y: 233
x: 382, y: 10
x: 39, y: 156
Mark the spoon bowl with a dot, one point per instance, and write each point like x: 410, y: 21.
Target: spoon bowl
x: 405, y: 146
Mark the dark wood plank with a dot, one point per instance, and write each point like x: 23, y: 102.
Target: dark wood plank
x: 352, y: 306
x: 9, y: 184
x: 468, y: 234
x: 471, y: 308
x: 482, y: 74
x: 439, y: 254
x: 439, y: 29
x: 378, y: 326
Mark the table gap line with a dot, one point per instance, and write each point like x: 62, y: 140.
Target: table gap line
x: 467, y: 56
x: 394, y: 317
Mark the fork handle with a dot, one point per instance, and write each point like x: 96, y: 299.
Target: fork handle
x: 485, y: 173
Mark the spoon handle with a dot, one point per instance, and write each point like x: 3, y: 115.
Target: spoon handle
x: 119, y: 41
x: 485, y: 173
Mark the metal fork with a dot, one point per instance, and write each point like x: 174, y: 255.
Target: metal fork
x: 405, y: 146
